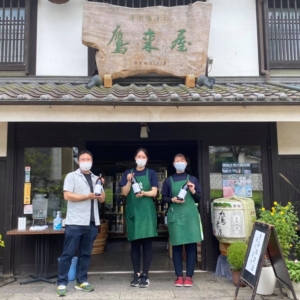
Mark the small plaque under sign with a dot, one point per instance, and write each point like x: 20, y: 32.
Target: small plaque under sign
x: 27, y: 209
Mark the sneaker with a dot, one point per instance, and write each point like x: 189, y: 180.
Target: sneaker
x: 61, y: 291
x: 85, y: 286
x: 188, y: 281
x: 135, y: 281
x: 144, y: 282
x: 179, y: 281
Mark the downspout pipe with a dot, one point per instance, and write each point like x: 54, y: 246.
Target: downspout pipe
x: 261, y: 41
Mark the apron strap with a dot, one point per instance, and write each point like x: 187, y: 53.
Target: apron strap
x: 171, y: 178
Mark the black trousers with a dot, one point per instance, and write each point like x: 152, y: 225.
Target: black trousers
x: 136, y: 245
x: 191, y: 257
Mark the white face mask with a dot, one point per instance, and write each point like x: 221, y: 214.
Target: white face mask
x: 85, y: 165
x: 180, y: 166
x: 141, y: 162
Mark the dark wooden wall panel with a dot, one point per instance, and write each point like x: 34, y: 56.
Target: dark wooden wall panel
x: 2, y: 188
x: 289, y: 166
x: 131, y: 131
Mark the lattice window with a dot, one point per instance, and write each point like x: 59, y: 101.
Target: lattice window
x: 284, y: 33
x: 12, y: 31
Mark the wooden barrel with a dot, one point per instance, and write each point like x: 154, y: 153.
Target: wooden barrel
x: 100, y: 241
x: 99, y: 244
x: 103, y: 228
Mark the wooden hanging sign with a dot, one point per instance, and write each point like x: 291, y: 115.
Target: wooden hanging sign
x: 264, y: 241
x: 157, y: 39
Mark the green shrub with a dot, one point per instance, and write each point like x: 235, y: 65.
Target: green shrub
x: 236, y: 255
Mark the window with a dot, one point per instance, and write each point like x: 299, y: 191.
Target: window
x: 47, y: 169
x: 284, y: 33
x: 236, y: 171
x: 18, y: 35
x: 12, y: 28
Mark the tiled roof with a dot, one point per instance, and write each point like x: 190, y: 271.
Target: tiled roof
x: 163, y: 94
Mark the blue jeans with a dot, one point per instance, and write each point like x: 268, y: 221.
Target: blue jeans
x: 191, y: 257
x: 81, y: 237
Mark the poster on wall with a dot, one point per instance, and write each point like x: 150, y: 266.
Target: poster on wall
x: 236, y: 180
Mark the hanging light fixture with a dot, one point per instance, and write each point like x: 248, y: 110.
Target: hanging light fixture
x: 144, y: 131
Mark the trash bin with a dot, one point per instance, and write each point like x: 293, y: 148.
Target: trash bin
x: 72, y: 271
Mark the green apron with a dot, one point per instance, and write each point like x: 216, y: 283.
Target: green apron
x: 184, y: 223
x: 141, y: 219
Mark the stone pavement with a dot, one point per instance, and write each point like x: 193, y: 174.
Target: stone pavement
x: 116, y: 286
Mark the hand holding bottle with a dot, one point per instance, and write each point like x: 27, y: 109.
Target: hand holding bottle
x: 129, y: 177
x: 100, y: 198
x: 191, y: 187
x: 175, y: 200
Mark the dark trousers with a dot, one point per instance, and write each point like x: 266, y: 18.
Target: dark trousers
x: 136, y: 254
x: 81, y: 237
x: 191, y: 257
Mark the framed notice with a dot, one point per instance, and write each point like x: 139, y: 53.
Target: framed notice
x: 27, y: 192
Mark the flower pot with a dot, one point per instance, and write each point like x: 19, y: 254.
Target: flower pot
x: 236, y: 277
x: 267, y: 281
x: 296, y: 286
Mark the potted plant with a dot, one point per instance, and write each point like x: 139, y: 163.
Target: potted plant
x: 293, y: 267
x: 285, y: 219
x: 236, y: 253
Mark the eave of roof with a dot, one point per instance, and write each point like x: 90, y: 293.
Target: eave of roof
x: 159, y: 94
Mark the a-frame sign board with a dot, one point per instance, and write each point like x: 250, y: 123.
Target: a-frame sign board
x: 264, y: 241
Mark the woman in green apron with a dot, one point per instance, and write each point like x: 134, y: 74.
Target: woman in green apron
x: 182, y: 191
x: 140, y: 185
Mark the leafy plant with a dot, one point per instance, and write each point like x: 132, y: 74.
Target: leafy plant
x: 1, y: 241
x: 293, y: 269
x: 285, y: 220
x: 236, y: 253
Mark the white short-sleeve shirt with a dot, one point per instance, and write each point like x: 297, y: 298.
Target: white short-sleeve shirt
x: 79, y: 212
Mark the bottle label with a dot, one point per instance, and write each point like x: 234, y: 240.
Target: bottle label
x: 98, y: 189
x: 182, y: 194
x: 57, y: 226
x: 136, y: 188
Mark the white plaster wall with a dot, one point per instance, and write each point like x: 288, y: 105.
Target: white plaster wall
x: 233, y: 38
x: 3, y: 138
x: 288, y: 134
x: 59, y: 48
x: 232, y: 43
x: 84, y: 113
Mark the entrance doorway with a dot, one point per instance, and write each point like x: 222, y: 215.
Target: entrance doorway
x: 110, y: 160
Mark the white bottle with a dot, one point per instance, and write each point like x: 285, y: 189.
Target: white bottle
x: 57, y: 222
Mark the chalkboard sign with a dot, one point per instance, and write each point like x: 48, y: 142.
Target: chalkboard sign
x: 264, y: 241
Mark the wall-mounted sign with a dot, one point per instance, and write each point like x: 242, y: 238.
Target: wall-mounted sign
x: 27, y: 192
x: 157, y: 39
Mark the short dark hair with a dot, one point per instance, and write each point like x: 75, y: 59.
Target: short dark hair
x: 143, y: 150
x: 180, y: 155
x: 85, y: 152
